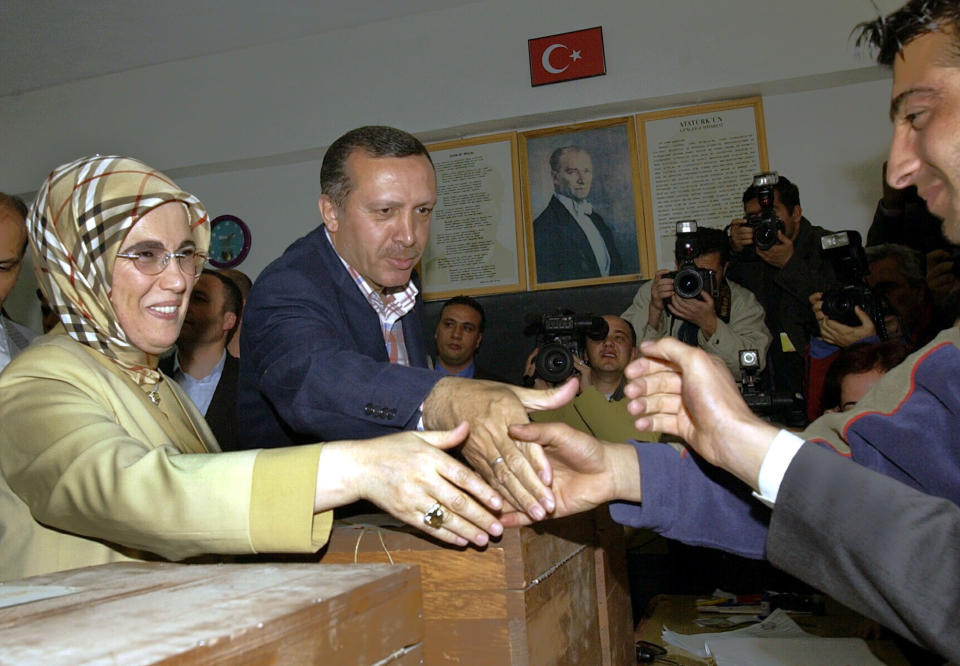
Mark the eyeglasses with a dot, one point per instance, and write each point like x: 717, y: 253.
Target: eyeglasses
x: 154, y: 262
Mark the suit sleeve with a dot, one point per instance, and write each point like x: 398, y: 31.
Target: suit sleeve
x: 688, y: 500
x: 319, y: 360
x: 884, y: 549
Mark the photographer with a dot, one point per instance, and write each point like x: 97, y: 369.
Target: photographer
x: 599, y: 408
x: 722, y: 322
x: 782, y: 276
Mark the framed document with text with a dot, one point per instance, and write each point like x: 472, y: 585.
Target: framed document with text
x: 582, y: 208
x: 696, y: 163
x: 476, y: 245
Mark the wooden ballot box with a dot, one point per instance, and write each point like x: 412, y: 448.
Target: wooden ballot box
x: 553, y: 593
x: 148, y: 613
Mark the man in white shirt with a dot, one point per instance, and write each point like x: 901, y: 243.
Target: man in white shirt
x: 572, y: 241
x: 13, y: 245
x: 202, y: 365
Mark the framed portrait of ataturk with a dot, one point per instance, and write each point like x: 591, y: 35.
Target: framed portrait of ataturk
x: 582, y: 204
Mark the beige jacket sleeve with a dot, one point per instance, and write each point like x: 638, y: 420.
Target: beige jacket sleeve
x: 84, y: 450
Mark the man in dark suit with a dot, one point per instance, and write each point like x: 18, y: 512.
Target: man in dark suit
x: 333, y: 346
x: 201, y: 364
x: 571, y: 241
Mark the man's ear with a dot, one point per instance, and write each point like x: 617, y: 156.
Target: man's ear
x: 634, y: 353
x: 479, y: 340
x: 796, y: 214
x: 330, y: 213
x: 229, y: 320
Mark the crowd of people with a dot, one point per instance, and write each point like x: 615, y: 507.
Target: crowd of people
x: 244, y: 441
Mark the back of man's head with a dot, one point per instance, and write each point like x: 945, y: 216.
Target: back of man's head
x: 375, y: 141
x: 889, y: 35
x: 909, y: 261
x: 788, y: 193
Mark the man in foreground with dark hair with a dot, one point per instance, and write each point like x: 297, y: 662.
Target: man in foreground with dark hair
x: 333, y: 344
x: 881, y: 536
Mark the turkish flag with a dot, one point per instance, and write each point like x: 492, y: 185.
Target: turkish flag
x: 570, y: 55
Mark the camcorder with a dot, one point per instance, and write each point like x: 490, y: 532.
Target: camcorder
x: 689, y: 281
x: 844, y: 251
x: 762, y: 400
x: 560, y: 338
x: 765, y: 225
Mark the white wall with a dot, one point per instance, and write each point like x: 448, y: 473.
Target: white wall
x: 245, y: 130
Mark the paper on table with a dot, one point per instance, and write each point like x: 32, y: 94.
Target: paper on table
x: 777, y: 625
x: 798, y: 651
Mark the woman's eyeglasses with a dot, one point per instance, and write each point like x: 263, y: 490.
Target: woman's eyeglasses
x: 154, y: 262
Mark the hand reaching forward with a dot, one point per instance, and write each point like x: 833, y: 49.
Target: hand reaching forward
x: 691, y: 394
x: 519, y: 470
x: 586, y: 471
x: 406, y: 474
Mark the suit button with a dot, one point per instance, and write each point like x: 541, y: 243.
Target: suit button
x: 391, y: 413
x: 368, y: 409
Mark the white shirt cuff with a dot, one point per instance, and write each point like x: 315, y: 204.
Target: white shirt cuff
x: 779, y: 456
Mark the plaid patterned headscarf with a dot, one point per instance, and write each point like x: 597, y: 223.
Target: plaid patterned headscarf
x: 77, y: 224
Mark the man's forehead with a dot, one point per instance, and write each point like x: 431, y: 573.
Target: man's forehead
x: 460, y: 312
x: 617, y: 324
x: 916, y: 67
x: 12, y: 226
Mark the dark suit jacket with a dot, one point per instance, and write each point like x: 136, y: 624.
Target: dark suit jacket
x: 313, y: 365
x: 562, y: 249
x: 221, y: 415
x: 886, y: 550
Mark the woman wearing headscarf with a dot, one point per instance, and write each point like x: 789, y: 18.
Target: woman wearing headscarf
x: 105, y: 459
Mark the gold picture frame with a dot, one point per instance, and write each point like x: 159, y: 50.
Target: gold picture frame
x: 476, y: 243
x: 607, y: 217
x: 696, y: 161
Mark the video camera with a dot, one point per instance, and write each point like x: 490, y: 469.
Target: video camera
x: 560, y: 338
x: 689, y: 281
x: 765, y: 225
x: 762, y: 400
x: 844, y: 251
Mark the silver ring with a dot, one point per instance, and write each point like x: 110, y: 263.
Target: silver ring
x: 434, y: 516
x: 498, y: 459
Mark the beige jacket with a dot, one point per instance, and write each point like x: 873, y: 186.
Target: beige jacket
x: 93, y: 472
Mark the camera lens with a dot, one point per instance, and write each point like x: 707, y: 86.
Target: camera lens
x: 765, y: 237
x: 554, y: 363
x: 688, y: 283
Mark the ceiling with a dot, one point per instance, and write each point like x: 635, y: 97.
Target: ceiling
x: 51, y: 42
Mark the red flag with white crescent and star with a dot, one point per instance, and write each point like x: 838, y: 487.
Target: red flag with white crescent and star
x: 570, y: 55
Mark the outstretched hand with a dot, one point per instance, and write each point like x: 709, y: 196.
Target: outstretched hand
x: 406, y: 474
x: 586, y: 471
x: 519, y: 470
x: 686, y: 392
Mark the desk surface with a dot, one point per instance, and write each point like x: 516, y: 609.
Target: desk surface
x: 678, y: 613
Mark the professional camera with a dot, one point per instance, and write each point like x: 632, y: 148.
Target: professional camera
x: 844, y: 251
x: 761, y: 398
x: 561, y: 337
x: 689, y: 281
x: 765, y: 225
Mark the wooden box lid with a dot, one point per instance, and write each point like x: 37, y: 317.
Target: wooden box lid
x: 145, y: 613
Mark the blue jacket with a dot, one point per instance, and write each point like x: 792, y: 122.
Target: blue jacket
x: 313, y: 365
